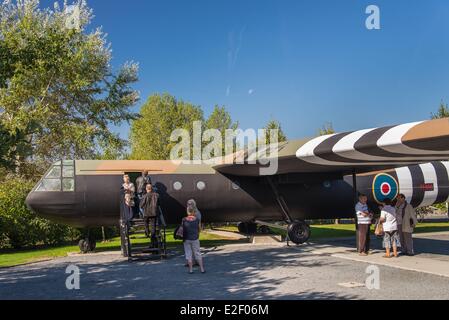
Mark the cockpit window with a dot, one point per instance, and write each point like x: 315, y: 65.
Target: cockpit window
x: 60, y: 177
x: 55, y: 172
x: 49, y: 185
x: 67, y: 171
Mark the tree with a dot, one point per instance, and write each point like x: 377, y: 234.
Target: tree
x: 18, y: 225
x: 443, y: 112
x: 221, y: 120
x: 327, y: 128
x: 58, y: 92
x: 274, y: 125
x: 159, y: 117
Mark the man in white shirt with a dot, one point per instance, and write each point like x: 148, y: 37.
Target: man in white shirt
x: 364, y: 218
x: 390, y: 226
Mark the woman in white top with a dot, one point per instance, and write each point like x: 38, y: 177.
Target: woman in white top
x: 390, y: 226
x: 128, y: 190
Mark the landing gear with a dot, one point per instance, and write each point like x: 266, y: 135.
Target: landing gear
x: 298, y: 232
x: 247, y: 227
x: 264, y: 229
x: 87, y: 245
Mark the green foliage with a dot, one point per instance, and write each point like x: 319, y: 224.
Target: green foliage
x: 443, y: 112
x: 19, y: 226
x: 327, y: 128
x: 58, y: 92
x: 159, y: 117
x: 220, y: 119
x: 163, y: 114
x: 274, y: 125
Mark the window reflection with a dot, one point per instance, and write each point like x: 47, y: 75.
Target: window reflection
x: 68, y: 185
x: 59, y: 178
x: 55, y: 172
x: 67, y: 172
x: 49, y: 185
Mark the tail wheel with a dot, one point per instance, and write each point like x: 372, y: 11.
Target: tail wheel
x: 298, y: 232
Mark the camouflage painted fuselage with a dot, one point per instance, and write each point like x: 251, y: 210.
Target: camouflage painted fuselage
x: 95, y: 200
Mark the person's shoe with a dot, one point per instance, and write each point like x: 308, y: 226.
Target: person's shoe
x: 190, y: 272
x: 410, y: 254
x: 363, y: 254
x: 385, y: 256
x: 204, y: 271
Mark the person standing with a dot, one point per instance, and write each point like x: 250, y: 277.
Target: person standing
x: 364, y: 218
x: 150, y: 205
x: 141, y: 184
x: 128, y: 191
x: 191, y: 235
x: 390, y: 226
x: 192, y: 204
x: 409, y: 221
x: 399, y: 205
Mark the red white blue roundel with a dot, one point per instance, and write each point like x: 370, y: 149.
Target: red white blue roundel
x: 384, y: 186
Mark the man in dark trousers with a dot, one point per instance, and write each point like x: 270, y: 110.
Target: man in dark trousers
x: 364, y: 217
x: 141, y: 184
x: 150, y: 208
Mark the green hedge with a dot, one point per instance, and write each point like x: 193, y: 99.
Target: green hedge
x: 19, y: 227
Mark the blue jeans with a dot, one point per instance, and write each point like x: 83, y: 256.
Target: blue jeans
x: 140, y: 196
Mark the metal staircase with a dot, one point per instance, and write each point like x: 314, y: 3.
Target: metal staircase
x: 142, y: 251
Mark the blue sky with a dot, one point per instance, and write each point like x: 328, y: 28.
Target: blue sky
x: 302, y: 62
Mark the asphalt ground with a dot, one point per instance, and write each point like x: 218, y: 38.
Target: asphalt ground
x: 244, y: 271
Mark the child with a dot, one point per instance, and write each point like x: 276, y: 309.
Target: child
x: 391, y: 237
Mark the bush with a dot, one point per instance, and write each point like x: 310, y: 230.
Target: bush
x: 19, y: 226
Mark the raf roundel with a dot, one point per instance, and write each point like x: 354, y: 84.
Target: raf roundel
x: 384, y: 186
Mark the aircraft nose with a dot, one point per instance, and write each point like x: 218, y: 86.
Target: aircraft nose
x: 53, y: 205
x: 31, y: 203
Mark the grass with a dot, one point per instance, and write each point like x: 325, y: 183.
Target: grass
x: 11, y: 257
x: 321, y: 231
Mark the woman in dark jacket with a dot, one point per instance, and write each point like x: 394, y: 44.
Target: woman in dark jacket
x: 191, y: 234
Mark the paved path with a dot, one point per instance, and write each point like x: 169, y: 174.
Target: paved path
x: 242, y: 271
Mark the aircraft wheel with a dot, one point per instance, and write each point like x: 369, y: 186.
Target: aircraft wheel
x: 87, y: 245
x: 82, y: 244
x: 264, y: 229
x: 92, y: 244
x: 298, y: 232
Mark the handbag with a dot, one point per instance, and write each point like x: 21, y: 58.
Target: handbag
x: 379, y: 231
x: 179, y: 233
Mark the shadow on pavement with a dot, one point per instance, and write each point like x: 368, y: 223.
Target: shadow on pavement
x: 233, y: 274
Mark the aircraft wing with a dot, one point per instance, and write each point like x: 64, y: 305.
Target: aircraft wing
x: 342, y: 153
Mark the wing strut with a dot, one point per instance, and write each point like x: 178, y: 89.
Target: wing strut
x: 354, y: 188
x: 280, y: 200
